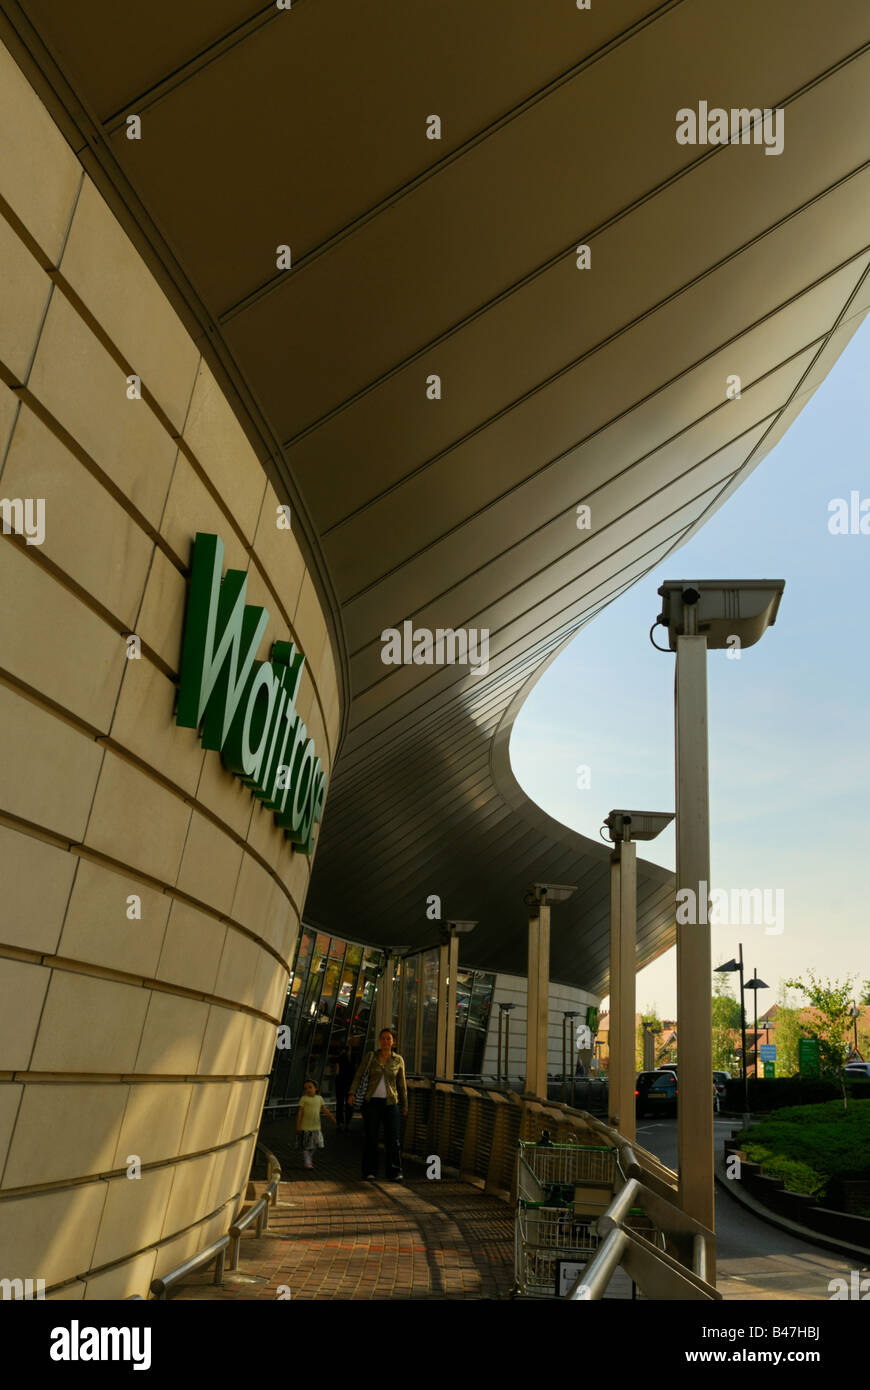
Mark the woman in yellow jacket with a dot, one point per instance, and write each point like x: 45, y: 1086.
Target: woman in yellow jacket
x: 385, y: 1093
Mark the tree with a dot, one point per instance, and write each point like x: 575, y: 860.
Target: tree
x: 832, y: 1028
x: 865, y: 992
x: 726, y: 1025
x: 651, y: 1017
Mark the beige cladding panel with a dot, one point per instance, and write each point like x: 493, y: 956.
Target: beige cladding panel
x: 116, y: 872
x: 113, y: 566
x: 172, y: 1036
x: 10, y: 1099
x: 78, y: 660
x: 32, y: 141
x: 22, y: 993
x: 152, y: 840
x: 190, y: 508
x: 89, y: 1025
x: 238, y: 968
x: 210, y: 1103
x: 113, y: 921
x: 161, y: 617
x: 36, y: 879
x: 122, y: 1281
x: 25, y: 288
x: 52, y: 1234
x: 192, y: 948
x: 229, y: 1172
x: 153, y: 1122
x: 277, y: 551
x: 144, y: 724
x: 210, y: 864
x: 218, y: 442
x: 191, y: 1179
x: 75, y: 379
x: 106, y: 271
x: 64, y: 1132
x: 8, y: 415
x: 134, y: 1215
x: 55, y: 789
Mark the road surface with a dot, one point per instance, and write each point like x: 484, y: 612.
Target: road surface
x: 755, y: 1260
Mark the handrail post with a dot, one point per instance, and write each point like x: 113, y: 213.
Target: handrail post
x: 593, y: 1282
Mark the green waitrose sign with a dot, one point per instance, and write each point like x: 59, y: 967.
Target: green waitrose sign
x: 247, y: 708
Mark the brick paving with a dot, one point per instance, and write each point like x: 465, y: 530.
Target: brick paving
x: 333, y: 1236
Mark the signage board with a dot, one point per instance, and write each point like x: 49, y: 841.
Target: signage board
x: 769, y: 1070
x: 808, y: 1056
x: 567, y: 1274
x: 768, y: 1052
x: 246, y: 709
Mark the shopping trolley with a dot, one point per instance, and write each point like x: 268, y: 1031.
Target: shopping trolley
x: 562, y: 1192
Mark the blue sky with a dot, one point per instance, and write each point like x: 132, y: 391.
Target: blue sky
x: 789, y: 751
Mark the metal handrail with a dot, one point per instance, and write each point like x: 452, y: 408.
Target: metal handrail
x: 259, y: 1212
x: 215, y: 1251
x: 273, y: 1173
x: 657, y: 1273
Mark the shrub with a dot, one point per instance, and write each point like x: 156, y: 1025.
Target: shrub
x: 780, y: 1091
x: 812, y: 1147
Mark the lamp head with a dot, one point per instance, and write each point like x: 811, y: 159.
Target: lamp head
x: 538, y: 894
x: 720, y: 609
x: 637, y: 825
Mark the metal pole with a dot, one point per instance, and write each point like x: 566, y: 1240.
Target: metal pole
x: 498, y: 1071
x: 507, y: 1049
x: 743, y: 1036
x: 623, y: 953
x: 564, y: 1063
x: 538, y: 989
x: 694, y: 964
x: 755, y: 1021
x: 441, y: 1014
x: 450, y: 1024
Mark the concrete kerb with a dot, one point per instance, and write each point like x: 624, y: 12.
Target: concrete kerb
x: 735, y: 1189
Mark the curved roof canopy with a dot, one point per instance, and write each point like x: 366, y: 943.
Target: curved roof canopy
x: 560, y: 384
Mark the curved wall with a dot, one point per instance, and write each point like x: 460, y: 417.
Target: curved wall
x: 124, y: 1037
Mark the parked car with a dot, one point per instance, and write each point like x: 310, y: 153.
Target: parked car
x: 655, y: 1091
x: 719, y: 1087
x: 857, y: 1071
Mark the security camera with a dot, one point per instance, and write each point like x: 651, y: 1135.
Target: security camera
x: 637, y: 825
x: 461, y: 927
x: 550, y: 893
x: 720, y: 609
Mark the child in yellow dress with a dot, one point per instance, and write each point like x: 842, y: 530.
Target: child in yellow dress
x: 309, y: 1133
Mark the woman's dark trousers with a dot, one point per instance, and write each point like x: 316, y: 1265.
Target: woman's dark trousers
x: 377, y: 1113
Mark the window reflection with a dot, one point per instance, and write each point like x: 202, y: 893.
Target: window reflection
x: 330, y: 1004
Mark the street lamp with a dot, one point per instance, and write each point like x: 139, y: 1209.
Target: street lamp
x: 756, y: 984
x: 728, y: 968
x: 699, y: 616
x: 854, y: 1014
x: 712, y: 613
